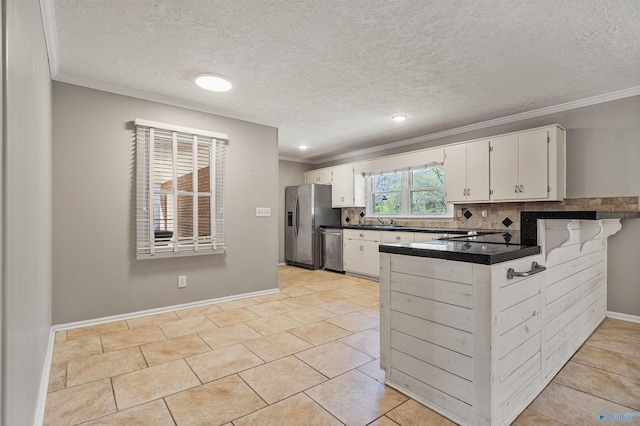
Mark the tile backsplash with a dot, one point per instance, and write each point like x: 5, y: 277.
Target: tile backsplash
x: 499, y: 215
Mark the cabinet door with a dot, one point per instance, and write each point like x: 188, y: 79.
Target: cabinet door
x: 455, y: 173
x: 477, y: 171
x: 533, y: 162
x: 319, y: 176
x: 372, y: 258
x: 504, y: 167
x: 342, y: 192
x: 361, y: 257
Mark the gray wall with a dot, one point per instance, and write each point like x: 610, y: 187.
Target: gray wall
x: 623, y: 293
x: 95, y: 273
x: 26, y: 213
x: 289, y: 173
x: 603, y: 160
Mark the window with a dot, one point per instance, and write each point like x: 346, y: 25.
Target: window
x: 418, y: 192
x: 179, y: 190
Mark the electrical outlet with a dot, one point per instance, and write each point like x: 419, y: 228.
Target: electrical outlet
x: 182, y: 281
x: 459, y: 213
x: 484, y: 212
x: 263, y: 211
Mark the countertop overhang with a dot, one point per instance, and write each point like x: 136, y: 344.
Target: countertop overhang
x: 462, y: 251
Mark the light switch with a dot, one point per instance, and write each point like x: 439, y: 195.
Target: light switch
x: 263, y: 211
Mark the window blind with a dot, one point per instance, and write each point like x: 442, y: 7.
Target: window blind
x: 179, y: 190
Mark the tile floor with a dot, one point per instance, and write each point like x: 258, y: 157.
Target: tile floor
x: 304, y: 356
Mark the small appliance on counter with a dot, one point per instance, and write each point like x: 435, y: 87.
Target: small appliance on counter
x: 308, y: 207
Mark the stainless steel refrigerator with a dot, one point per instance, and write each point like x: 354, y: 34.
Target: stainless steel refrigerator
x: 308, y: 207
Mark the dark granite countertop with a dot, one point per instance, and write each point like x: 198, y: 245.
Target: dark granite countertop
x: 395, y: 228
x: 462, y: 251
x: 529, y: 220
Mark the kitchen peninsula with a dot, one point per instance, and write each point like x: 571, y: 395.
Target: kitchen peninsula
x: 475, y: 328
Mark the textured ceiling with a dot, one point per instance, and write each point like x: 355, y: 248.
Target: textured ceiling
x: 330, y: 73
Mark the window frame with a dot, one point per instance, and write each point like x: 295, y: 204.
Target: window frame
x: 405, y: 196
x: 148, y: 246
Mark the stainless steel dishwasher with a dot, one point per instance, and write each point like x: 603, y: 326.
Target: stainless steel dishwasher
x: 332, y: 249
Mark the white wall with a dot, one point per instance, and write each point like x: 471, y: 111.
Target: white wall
x: 26, y: 200
x: 289, y: 173
x: 95, y: 273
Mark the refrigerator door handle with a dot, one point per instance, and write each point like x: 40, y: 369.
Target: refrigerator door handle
x: 296, y: 216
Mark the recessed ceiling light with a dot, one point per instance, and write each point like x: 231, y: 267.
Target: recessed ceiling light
x: 303, y: 147
x: 399, y: 118
x: 213, y: 82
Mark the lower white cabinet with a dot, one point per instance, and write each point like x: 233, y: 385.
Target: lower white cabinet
x: 360, y: 252
x: 360, y: 248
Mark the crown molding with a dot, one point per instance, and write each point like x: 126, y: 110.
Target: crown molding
x: 168, y: 100
x: 296, y: 160
x: 621, y: 94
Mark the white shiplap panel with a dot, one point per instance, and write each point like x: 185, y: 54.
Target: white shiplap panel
x: 518, y: 314
x: 513, y: 383
x: 514, y: 359
x: 561, y: 271
x: 443, y: 358
x: 557, y: 349
x: 442, y: 313
x: 517, y: 336
x: 554, y: 326
x: 459, y: 272
x: 562, y: 304
x: 434, y: 289
x: 441, y: 380
x: 445, y: 404
x: 438, y: 334
x: 385, y: 312
x: 519, y: 291
x: 565, y: 286
x: 566, y: 254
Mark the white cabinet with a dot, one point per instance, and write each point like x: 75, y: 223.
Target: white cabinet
x: 466, y: 171
x: 528, y: 165
x: 320, y: 176
x: 348, y: 187
x: 360, y: 254
x: 360, y: 248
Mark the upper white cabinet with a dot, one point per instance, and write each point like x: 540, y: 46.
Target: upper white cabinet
x: 320, y: 176
x: 466, y: 171
x: 528, y: 165
x: 348, y: 187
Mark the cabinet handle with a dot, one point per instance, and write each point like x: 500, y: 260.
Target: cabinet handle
x: 535, y: 269
x: 468, y: 191
x: 516, y: 191
x: 521, y: 188
x: 398, y: 237
x: 361, y: 248
x: 361, y: 235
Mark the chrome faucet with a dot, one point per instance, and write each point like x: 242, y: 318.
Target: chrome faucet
x: 380, y: 220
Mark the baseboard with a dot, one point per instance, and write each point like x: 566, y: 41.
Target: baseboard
x: 154, y: 311
x: 38, y: 418
x: 623, y: 317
